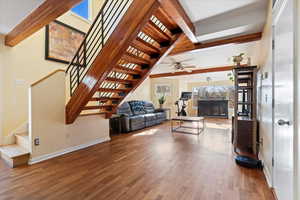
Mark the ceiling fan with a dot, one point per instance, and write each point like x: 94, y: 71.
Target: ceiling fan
x: 179, y: 65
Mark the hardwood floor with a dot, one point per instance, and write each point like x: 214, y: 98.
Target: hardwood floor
x: 150, y: 164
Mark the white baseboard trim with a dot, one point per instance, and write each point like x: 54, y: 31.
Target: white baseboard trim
x: 266, y: 172
x: 268, y: 176
x: 65, y: 151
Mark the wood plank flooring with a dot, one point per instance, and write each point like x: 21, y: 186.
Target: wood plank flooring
x: 152, y: 164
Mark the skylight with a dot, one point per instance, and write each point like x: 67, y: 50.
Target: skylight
x: 82, y: 9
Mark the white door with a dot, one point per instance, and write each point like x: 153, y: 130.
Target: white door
x: 283, y: 102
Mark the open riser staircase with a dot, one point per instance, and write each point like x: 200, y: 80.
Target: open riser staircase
x: 126, y: 40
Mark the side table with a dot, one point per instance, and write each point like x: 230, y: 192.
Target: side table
x: 166, y: 110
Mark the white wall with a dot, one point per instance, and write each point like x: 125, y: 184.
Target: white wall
x: 297, y: 101
x: 47, y: 121
x: 171, y: 98
x: 265, y: 112
x: 1, y: 94
x: 143, y: 92
x: 24, y: 64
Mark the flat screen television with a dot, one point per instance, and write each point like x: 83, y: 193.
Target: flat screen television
x: 186, y: 95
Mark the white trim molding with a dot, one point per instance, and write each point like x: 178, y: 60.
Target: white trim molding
x: 296, y: 100
x: 66, y: 151
x: 268, y: 176
x: 266, y: 171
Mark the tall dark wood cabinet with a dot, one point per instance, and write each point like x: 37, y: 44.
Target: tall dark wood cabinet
x: 245, y: 121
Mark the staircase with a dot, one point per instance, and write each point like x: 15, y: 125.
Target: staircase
x: 17, y: 154
x: 127, y: 39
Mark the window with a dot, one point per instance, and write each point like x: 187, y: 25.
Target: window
x: 83, y: 9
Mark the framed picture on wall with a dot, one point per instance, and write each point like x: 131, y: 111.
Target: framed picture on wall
x: 62, y: 42
x: 163, y: 89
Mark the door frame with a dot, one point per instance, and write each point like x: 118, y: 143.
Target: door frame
x: 277, y: 9
x: 296, y: 100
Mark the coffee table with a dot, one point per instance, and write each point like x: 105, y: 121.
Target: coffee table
x: 188, y: 129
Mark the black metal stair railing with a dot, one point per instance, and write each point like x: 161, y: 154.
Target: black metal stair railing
x: 104, y: 24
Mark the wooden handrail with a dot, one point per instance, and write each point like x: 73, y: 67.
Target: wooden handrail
x: 47, y: 76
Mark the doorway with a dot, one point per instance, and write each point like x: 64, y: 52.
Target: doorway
x: 283, y: 52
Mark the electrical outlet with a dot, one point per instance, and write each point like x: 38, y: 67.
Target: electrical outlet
x: 37, y: 141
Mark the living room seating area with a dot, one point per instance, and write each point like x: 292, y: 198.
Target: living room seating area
x: 135, y: 115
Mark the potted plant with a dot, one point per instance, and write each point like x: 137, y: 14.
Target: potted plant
x: 238, y: 59
x: 230, y: 76
x: 161, y: 101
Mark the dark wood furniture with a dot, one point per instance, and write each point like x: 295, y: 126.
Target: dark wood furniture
x: 168, y: 112
x: 244, y: 121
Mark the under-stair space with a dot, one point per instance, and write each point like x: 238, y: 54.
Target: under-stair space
x: 17, y: 154
x: 144, y: 35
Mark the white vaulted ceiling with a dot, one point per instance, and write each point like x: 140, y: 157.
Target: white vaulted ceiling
x: 215, y: 19
x: 199, y: 10
x: 12, y: 12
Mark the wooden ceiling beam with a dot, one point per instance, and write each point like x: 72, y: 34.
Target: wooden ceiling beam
x: 197, y: 71
x: 176, y: 12
x: 186, y: 46
x: 41, y: 16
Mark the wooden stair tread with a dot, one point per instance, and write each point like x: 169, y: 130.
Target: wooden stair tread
x: 159, y: 32
x: 92, y: 114
x: 105, y: 99
x: 165, y: 19
x: 13, y: 150
x: 137, y: 69
x: 96, y: 107
x: 145, y: 46
x: 155, y: 33
x: 125, y: 70
x: 113, y: 90
x: 135, y: 59
x: 124, y: 81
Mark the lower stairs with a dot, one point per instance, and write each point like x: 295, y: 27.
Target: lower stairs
x: 17, y: 154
